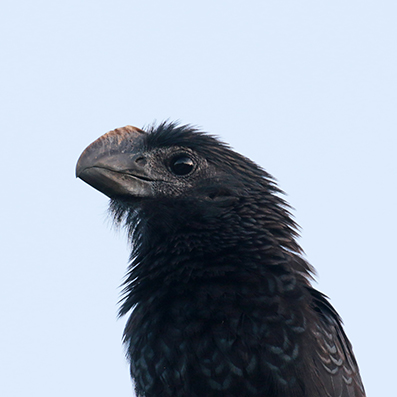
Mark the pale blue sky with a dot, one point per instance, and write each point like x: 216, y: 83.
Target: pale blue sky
x: 307, y: 89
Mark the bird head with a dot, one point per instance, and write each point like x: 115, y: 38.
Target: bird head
x: 177, y: 178
x: 168, y: 161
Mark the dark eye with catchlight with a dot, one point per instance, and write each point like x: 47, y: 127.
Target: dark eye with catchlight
x: 181, y: 165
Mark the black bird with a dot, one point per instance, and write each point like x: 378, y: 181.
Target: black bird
x: 219, y: 293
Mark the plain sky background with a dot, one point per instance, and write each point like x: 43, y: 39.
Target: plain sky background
x: 307, y: 89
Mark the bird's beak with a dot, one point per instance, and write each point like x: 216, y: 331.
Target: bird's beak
x: 113, y: 164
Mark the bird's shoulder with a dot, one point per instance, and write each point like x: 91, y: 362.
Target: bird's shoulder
x: 336, y: 369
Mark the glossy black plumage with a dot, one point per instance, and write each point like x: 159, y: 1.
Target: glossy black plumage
x: 219, y: 294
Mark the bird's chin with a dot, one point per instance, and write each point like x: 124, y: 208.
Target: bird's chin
x: 116, y: 184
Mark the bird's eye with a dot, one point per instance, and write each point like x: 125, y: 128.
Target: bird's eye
x: 182, y: 165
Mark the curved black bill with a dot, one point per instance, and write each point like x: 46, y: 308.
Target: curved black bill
x: 109, y: 164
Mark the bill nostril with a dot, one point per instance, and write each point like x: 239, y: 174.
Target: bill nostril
x: 141, y: 161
